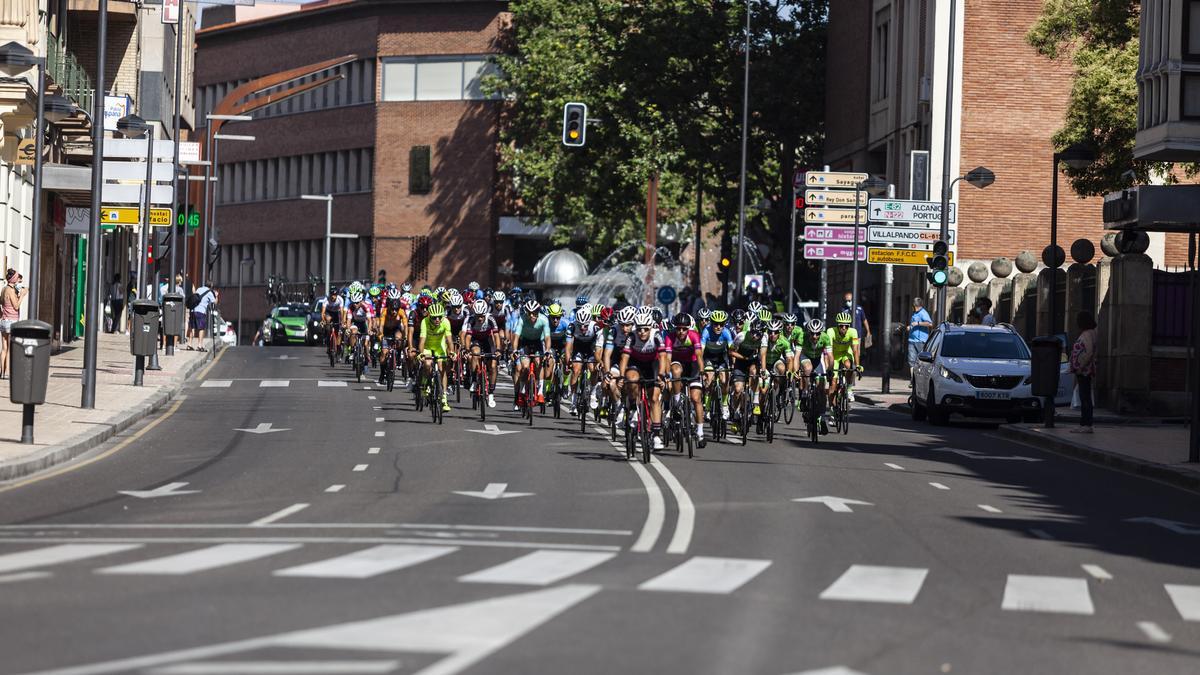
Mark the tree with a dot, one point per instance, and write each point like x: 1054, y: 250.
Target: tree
x: 1101, y: 39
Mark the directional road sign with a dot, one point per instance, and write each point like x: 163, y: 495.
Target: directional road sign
x: 834, y: 216
x: 833, y: 179
x: 833, y: 233
x: 899, y: 234
x: 833, y: 252
x: 905, y: 211
x: 833, y: 198
x: 667, y: 294
x: 901, y: 256
x: 128, y: 215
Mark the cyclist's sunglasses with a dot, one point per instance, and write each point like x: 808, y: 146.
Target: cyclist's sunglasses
x: 843, y: 326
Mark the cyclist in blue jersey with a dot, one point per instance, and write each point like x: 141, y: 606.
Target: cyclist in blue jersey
x: 533, y: 340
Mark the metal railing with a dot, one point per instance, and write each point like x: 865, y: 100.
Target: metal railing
x: 64, y: 69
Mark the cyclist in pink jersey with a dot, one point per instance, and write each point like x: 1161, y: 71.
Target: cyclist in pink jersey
x: 687, y: 363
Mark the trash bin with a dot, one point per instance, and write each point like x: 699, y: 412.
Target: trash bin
x: 1044, y: 366
x: 29, y: 360
x: 143, y: 335
x: 173, y: 313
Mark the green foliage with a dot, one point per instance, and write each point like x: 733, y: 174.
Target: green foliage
x: 1101, y: 39
x: 664, y: 77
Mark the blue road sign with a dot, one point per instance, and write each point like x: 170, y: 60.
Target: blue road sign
x: 667, y: 294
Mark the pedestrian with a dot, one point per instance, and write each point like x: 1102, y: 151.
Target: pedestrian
x: 116, y: 303
x: 984, y: 304
x: 861, y: 325
x: 919, y: 325
x: 975, y: 317
x: 203, y: 299
x: 1083, y: 365
x: 11, y: 297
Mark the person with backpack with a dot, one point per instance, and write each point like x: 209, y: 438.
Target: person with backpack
x: 197, y: 303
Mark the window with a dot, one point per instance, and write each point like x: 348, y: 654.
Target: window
x: 985, y: 346
x: 420, y: 177
x: 337, y: 172
x: 442, y: 78
x: 1189, y: 83
x: 879, y: 64
x: 1191, y: 30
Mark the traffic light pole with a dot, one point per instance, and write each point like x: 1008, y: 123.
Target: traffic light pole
x: 946, y: 138
x: 886, y: 379
x: 791, y: 302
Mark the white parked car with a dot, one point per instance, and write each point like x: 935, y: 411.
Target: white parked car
x: 976, y: 371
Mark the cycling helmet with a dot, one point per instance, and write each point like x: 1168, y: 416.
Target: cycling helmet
x: 704, y: 313
x: 764, y: 315
x: 424, y: 302
x: 815, y: 326
x: 532, y: 307
x: 439, y: 290
x: 682, y: 320
x: 758, y: 328
x: 581, y: 300
x: 606, y: 315
x: 775, y: 326
x: 479, y: 307
x: 627, y: 315
x: 843, y: 319
x: 356, y: 297
x: 499, y: 296
x: 718, y: 316
x: 407, y: 287
x: 456, y: 300
x: 393, y: 294
x: 597, y: 310
x: 374, y: 292
x: 789, y: 319
x: 356, y: 287
x: 657, y: 314
x: 473, y: 286
x: 644, y: 319
x: 583, y: 313
x: 437, y: 310
x: 554, y: 310
x: 754, y: 307
x: 738, y: 317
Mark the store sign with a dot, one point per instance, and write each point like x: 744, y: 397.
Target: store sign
x: 115, y: 107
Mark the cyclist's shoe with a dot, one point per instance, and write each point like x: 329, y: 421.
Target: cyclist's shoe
x: 540, y: 400
x: 757, y: 409
x: 593, y: 401
x: 658, y: 442
x: 725, y: 412
x: 574, y: 411
x: 850, y: 395
x: 491, y: 401
x: 700, y: 442
x: 471, y: 388
x: 445, y: 406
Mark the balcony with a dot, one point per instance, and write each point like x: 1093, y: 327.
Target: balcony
x: 65, y: 72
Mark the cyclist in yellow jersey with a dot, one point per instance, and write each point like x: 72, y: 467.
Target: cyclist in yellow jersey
x: 845, y: 349
x: 435, y: 342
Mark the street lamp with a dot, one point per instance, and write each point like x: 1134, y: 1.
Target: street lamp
x: 329, y: 235
x: 210, y: 152
x: 133, y: 126
x: 243, y: 263
x: 980, y: 177
x: 92, y: 304
x: 745, y: 131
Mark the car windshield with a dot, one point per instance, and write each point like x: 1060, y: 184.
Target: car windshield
x: 291, y: 312
x: 983, y: 345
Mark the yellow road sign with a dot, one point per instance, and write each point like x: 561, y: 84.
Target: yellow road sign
x: 128, y: 215
x: 816, y: 215
x: 833, y: 179
x: 833, y: 198
x: 902, y: 256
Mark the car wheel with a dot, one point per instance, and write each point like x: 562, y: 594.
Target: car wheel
x: 937, y: 416
x: 918, y: 410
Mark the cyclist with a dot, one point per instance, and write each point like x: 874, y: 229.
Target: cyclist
x: 331, y: 315
x: 748, y: 349
x: 702, y: 318
x: 558, y: 342
x: 617, y: 337
x: 816, y: 359
x: 844, y: 339
x: 687, y: 362
x: 413, y: 332
x: 581, y: 349
x: 360, y: 313
x: 482, y: 336
x: 645, y: 357
x: 779, y: 357
x: 435, y: 343
x: 716, y: 339
x: 392, y: 323
x: 533, y: 340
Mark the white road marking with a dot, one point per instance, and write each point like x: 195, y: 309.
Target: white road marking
x: 201, y: 560
x: 1042, y: 534
x: 990, y: 509
x: 703, y: 574
x: 368, y: 562
x: 835, y: 504
x: 1154, y: 632
x: 278, y: 668
x: 372, y: 451
x: 872, y: 583
x: 168, y: 490
x: 280, y: 514
x: 1062, y: 595
x: 360, y: 467
x: 1097, y: 571
x: 380, y: 434
x: 335, y: 488
x: 540, y: 568
x: 504, y: 528
x: 23, y: 576
x: 1173, y: 525
x: 656, y: 512
x: 378, y: 419
x: 835, y: 670
x: 216, y: 384
x: 331, y: 383
x: 939, y: 486
x: 466, y: 633
x: 686, y: 523
x: 487, y: 543
x: 370, y: 398
x: 312, y: 526
x: 893, y: 466
x: 262, y: 428
x: 493, y: 491
x: 1186, y: 600
x: 53, y: 555
x: 275, y: 383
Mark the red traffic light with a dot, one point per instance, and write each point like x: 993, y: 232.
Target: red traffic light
x: 800, y: 203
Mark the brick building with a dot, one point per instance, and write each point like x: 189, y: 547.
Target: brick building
x: 406, y: 143
x: 887, y: 72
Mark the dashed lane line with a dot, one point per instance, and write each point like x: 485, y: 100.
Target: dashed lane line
x: 990, y: 509
x: 335, y: 488
x: 893, y: 466
x: 372, y: 451
x: 1097, y: 572
x: 1154, y: 632
x: 939, y: 486
x: 360, y: 467
x: 280, y: 514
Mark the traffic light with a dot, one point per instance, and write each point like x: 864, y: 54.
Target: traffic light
x: 939, y: 264
x: 800, y: 205
x: 574, y: 131
x: 725, y: 262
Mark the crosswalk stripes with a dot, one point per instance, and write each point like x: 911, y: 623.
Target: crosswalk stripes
x: 1063, y: 595
x: 874, y: 583
x: 703, y: 574
x: 368, y: 562
x: 201, y: 560
x: 275, y: 383
x: 332, y: 383
x: 539, y: 568
x: 1186, y: 600
x: 53, y: 555
x: 218, y: 384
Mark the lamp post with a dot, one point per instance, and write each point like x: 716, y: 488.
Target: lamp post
x: 133, y: 126
x: 185, y: 174
x: 243, y: 263
x: 742, y: 178
x: 92, y: 305
x: 177, y: 96
x: 210, y: 152
x: 980, y: 177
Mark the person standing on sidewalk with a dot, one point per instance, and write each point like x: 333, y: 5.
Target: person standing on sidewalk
x: 11, y: 297
x: 1083, y: 365
x: 205, y: 298
x: 116, y: 303
x: 919, y: 325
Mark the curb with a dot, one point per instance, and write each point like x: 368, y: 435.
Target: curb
x: 87, y: 440
x: 1123, y: 463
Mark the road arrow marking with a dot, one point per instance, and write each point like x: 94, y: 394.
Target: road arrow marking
x: 168, y: 490
x: 262, y: 428
x: 836, y: 504
x: 973, y: 454
x: 493, y: 491
x: 492, y: 430
x: 1172, y: 525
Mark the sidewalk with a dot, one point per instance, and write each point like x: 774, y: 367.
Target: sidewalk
x: 1149, y: 447
x: 62, y: 430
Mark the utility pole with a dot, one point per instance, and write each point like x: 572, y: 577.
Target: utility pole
x: 886, y: 379
x: 174, y: 222
x: 741, y: 238
x: 92, y: 303
x: 946, y: 139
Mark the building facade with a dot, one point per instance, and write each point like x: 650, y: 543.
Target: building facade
x: 405, y: 141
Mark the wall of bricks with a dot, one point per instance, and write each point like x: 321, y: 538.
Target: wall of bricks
x: 121, y: 57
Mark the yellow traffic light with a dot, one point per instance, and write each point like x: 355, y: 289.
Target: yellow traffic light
x: 725, y: 262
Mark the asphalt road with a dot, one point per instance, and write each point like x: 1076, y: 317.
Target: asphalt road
x: 343, y: 537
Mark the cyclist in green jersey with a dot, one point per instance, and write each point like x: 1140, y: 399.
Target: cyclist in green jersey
x: 778, y: 359
x: 435, y: 342
x: 844, y: 340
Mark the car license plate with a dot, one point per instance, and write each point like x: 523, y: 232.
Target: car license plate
x: 993, y: 395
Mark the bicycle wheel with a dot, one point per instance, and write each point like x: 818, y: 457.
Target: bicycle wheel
x: 331, y: 352
x: 769, y: 419
x: 435, y: 396
x: 844, y: 410
x: 581, y: 403
x: 391, y: 373
x: 744, y: 425
x: 789, y: 403
x: 646, y: 436
x: 629, y: 429
x: 688, y: 428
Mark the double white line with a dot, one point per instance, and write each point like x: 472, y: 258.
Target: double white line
x: 656, y: 515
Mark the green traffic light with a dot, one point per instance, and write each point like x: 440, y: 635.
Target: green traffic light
x: 939, y: 277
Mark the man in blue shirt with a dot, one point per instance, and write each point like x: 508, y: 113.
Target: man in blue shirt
x: 919, y: 325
